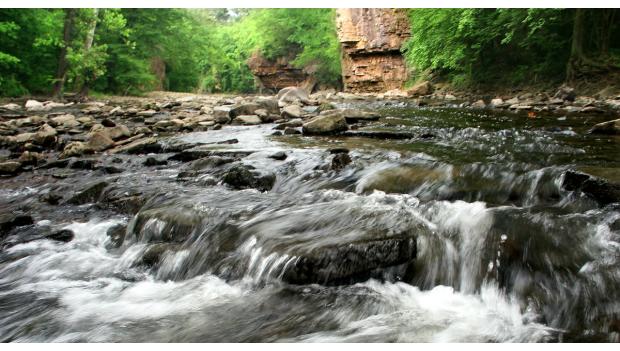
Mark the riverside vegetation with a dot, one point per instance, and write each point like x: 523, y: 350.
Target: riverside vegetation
x: 427, y: 214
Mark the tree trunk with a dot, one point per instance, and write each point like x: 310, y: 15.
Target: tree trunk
x: 88, y: 43
x: 607, y: 23
x: 61, y: 72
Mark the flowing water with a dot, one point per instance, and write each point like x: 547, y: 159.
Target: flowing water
x: 503, y: 253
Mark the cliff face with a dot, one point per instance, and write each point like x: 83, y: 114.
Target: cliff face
x: 278, y: 74
x: 371, y: 41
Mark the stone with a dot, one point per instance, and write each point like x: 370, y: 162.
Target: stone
x: 108, y: 123
x: 353, y: 115
x: 513, y: 101
x: 291, y: 131
x: 291, y: 95
x: 449, y: 97
x: 34, y: 105
x: 30, y: 158
x: 90, y: 193
x: 608, y: 128
x: 9, y: 167
x: 140, y: 146
x: 11, y: 107
x: 565, y: 93
x: 221, y: 114
x: 340, y: 161
x: 67, y: 121
x: 292, y: 111
x: 497, y: 102
x: 45, y: 135
x: 244, y: 109
x: 247, y: 120
x: 75, y: 148
x: 117, y: 132
x: 600, y: 190
x: 11, y: 220
x: 147, y: 113
x: 270, y: 104
x: 280, y: 156
x: 479, y: 104
x: 295, y: 123
x: 323, y: 125
x: 152, y: 161
x: 154, y: 254
x: 116, y: 235
x: 240, y: 177
x: 420, y: 89
x: 99, y: 141
x: 64, y: 235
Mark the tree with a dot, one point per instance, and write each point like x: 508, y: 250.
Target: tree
x: 61, y: 72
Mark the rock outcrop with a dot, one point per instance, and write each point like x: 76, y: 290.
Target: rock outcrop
x: 277, y: 74
x: 371, y: 41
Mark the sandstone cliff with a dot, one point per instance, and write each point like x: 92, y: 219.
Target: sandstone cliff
x: 371, y: 41
x: 277, y: 74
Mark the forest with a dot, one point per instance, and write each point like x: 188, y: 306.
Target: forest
x: 132, y: 51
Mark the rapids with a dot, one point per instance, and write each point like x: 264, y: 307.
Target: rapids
x: 464, y: 235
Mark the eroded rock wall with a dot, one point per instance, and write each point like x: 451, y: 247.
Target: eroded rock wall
x: 277, y: 74
x: 371, y: 41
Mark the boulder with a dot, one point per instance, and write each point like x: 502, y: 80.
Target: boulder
x: 9, y: 167
x: 241, y: 177
x: 34, y: 105
x: 90, y: 193
x: 99, y: 141
x: 147, y: 113
x: 270, y: 104
x: 175, y: 224
x: 30, y: 158
x: 116, y: 235
x: 291, y: 131
x: 11, y: 107
x: 292, y: 111
x: 140, y: 146
x: 497, y: 102
x: 46, y: 135
x: 64, y: 235
x: 295, y: 123
x: 67, y: 121
x: 221, y: 114
x: 75, y: 148
x: 598, y: 189
x: 324, y: 125
x: 244, y: 109
x: 291, y: 95
x: 422, y: 88
x: 609, y: 128
x: 280, y: 156
x: 10, y: 220
x: 565, y: 93
x: 247, y: 119
x: 353, y: 115
x: 340, y: 161
x: 479, y: 104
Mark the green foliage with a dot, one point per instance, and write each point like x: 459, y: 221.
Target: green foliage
x: 490, y: 45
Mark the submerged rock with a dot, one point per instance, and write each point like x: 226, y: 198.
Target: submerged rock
x: 240, y: 177
x: 89, y: 194
x: 609, y: 128
x: 600, y: 190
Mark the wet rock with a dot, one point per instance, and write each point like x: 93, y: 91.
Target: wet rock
x: 154, y: 254
x: 325, y: 125
x: 598, y: 189
x: 349, y: 262
x: 64, y: 235
x: 89, y: 194
x: 217, y: 126
x: 338, y: 150
x: 116, y: 234
x: 280, y: 155
x: 269, y: 104
x: 276, y: 133
x: 152, y: 161
x: 30, y: 158
x: 292, y: 111
x: 9, y: 167
x: 244, y: 110
x: 9, y: 221
x: 247, y: 120
x: 609, y: 128
x: 565, y: 93
x: 221, y: 114
x: 99, y: 141
x: 380, y: 134
x: 291, y: 131
x: 340, y: 161
x: 209, y: 162
x: 295, y: 123
x: 174, y: 224
x: 84, y: 163
x: 46, y: 135
x: 422, y: 88
x: 140, y: 146
x: 240, y: 177
x: 108, y: 123
x: 76, y: 148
